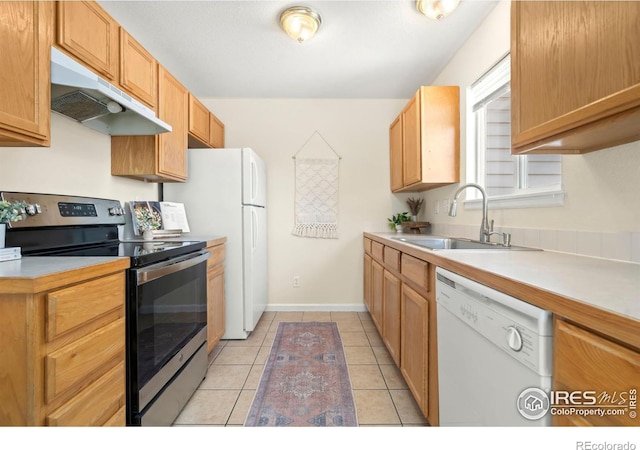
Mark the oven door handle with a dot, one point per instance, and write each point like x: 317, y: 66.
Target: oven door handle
x: 156, y: 271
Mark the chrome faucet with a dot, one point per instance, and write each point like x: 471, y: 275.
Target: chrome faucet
x: 486, y: 227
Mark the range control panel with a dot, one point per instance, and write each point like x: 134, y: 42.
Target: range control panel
x: 50, y: 210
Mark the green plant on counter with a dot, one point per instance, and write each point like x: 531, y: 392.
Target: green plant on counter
x: 398, y: 219
x: 12, y: 211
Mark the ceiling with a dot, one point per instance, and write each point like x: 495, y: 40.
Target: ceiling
x: 236, y: 48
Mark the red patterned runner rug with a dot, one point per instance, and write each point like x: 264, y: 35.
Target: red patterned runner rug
x: 305, y: 381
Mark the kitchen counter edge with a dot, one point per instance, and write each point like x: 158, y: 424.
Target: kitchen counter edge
x: 33, y: 274
x: 608, y: 321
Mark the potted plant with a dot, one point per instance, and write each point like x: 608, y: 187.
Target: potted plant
x: 10, y: 212
x: 415, y: 205
x: 396, y: 221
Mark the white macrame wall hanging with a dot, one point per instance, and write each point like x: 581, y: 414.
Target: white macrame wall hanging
x: 317, y: 176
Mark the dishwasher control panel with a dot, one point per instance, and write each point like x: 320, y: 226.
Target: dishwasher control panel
x: 519, y: 328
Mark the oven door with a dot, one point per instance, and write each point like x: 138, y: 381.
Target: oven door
x: 167, y: 315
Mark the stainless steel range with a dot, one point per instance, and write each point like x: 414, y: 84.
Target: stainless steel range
x: 166, y: 308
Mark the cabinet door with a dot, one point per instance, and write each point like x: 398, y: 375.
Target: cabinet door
x: 215, y: 296
x: 89, y: 33
x: 25, y: 41
x: 173, y: 108
x: 395, y: 152
x: 215, y: 306
x: 391, y: 315
x: 414, y: 344
x: 216, y: 132
x: 377, y: 293
x: 411, y: 143
x: 440, y: 134
x: 366, y: 288
x: 138, y: 70
x: 585, y: 361
x: 198, y: 123
x: 575, y: 75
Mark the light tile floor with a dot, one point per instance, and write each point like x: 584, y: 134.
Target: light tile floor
x: 381, y: 395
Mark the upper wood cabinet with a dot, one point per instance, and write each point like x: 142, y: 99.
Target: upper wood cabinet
x: 216, y: 132
x: 205, y: 129
x: 425, y: 140
x: 575, y: 75
x: 395, y: 153
x: 89, y: 33
x: 160, y: 158
x: 26, y: 35
x: 138, y: 70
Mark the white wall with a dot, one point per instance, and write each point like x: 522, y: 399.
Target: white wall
x: 77, y: 163
x: 330, y: 270
x: 602, y: 206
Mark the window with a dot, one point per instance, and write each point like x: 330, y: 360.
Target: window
x: 510, y: 181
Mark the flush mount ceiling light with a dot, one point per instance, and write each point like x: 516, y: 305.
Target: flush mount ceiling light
x: 437, y: 9
x: 300, y: 22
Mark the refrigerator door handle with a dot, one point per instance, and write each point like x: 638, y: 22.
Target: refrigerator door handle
x: 254, y: 230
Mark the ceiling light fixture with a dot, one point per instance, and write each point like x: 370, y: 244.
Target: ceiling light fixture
x: 437, y: 9
x: 300, y: 22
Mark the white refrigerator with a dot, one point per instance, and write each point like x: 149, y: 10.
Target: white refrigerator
x: 225, y: 195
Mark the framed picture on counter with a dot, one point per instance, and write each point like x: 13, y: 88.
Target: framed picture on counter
x: 145, y: 215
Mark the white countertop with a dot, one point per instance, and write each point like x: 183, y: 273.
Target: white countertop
x: 601, y: 283
x: 605, y: 284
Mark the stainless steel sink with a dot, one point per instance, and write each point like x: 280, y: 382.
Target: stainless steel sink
x: 447, y: 243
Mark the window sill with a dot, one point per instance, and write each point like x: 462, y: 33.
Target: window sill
x: 542, y: 199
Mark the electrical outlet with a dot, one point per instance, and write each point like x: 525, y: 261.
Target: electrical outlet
x: 436, y: 207
x: 296, y: 281
x: 445, y: 206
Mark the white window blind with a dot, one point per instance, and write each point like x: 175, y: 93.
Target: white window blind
x: 492, y: 165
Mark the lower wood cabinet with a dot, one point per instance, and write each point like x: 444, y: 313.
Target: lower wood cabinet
x: 377, y: 293
x: 62, y: 359
x: 215, y: 295
x: 584, y: 361
x: 396, y: 294
x: 391, y: 315
x: 414, y: 344
x: 366, y: 288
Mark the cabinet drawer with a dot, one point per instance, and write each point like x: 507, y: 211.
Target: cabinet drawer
x: 377, y: 251
x: 367, y: 245
x: 217, y: 256
x: 415, y: 270
x: 85, y: 360
x: 96, y: 405
x: 584, y: 361
x: 392, y: 258
x: 72, y: 307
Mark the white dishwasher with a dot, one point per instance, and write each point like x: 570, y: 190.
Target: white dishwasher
x: 492, y: 350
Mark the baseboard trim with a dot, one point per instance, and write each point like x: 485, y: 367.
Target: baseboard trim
x: 306, y: 307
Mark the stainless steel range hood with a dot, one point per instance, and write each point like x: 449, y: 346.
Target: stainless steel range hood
x: 81, y: 95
